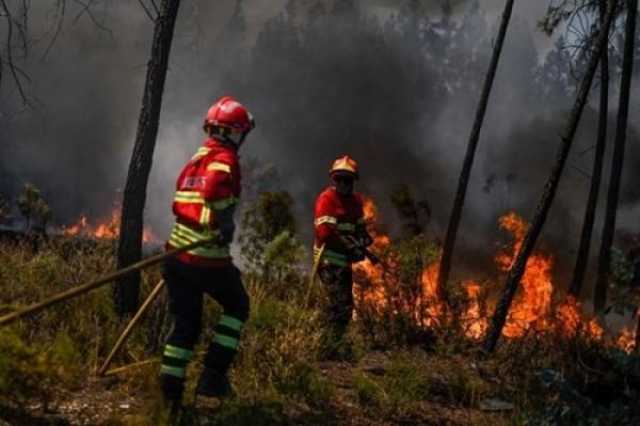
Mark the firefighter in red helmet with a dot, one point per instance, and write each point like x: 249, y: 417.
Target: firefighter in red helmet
x: 340, y: 238
x: 207, y: 191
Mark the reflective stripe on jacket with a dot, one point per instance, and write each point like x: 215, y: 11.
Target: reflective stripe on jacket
x: 209, y: 182
x: 335, y: 216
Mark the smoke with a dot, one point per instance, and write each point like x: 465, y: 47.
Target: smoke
x: 394, y: 90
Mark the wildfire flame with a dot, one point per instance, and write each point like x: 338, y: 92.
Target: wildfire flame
x: 532, y: 309
x: 106, y: 229
x: 627, y: 340
x: 475, y: 324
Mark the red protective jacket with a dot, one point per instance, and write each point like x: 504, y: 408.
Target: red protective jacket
x: 336, y: 215
x: 208, y: 183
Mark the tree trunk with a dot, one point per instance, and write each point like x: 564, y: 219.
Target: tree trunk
x: 130, y: 242
x: 589, y: 217
x: 454, y: 219
x: 600, y: 294
x: 549, y: 192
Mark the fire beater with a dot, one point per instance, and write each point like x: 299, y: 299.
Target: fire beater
x: 207, y: 192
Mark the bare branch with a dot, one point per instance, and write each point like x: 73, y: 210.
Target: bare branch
x: 155, y: 7
x: 61, y: 8
x: 86, y: 9
x: 147, y: 11
x: 9, y: 43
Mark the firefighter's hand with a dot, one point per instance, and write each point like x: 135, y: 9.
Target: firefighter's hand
x: 356, y: 254
x: 226, y: 224
x: 366, y: 239
x: 226, y: 233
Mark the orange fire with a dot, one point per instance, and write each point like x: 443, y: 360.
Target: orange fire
x: 374, y: 294
x: 529, y: 310
x: 475, y: 324
x: 382, y: 290
x: 432, y: 307
x: 532, y: 309
x: 627, y: 340
x: 571, y: 320
x: 107, y: 229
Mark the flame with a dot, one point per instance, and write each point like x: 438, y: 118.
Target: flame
x: 108, y: 229
x: 529, y: 310
x: 474, y: 323
x: 627, y: 340
x: 429, y: 301
x: 372, y: 292
x: 571, y: 320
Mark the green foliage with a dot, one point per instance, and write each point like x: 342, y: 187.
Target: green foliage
x: 415, y: 215
x: 368, y: 392
x: 272, y: 253
x: 29, y: 371
x: 33, y: 207
x: 622, y: 269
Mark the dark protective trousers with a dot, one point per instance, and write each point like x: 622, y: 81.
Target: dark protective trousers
x: 187, y: 285
x: 338, y: 308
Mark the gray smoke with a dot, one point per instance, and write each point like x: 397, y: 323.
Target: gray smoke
x: 322, y: 80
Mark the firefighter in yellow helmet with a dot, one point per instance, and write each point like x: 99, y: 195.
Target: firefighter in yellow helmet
x: 340, y: 229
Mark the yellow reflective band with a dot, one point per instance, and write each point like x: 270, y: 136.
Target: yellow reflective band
x: 231, y: 322
x: 335, y: 258
x: 346, y: 227
x: 178, y: 241
x: 219, y: 167
x: 188, y: 197
x: 183, y: 229
x: 182, y: 235
x: 212, y: 253
x: 335, y: 255
x: 226, y: 341
x: 187, y: 236
x: 172, y: 371
x: 205, y: 215
x: 209, y: 252
x: 326, y: 219
x: 201, y: 153
x: 223, y: 204
x: 176, y: 352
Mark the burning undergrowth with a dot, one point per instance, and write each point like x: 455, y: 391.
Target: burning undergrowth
x: 403, y: 289
x: 103, y: 229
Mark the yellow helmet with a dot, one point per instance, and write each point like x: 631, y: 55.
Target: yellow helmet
x: 345, y: 165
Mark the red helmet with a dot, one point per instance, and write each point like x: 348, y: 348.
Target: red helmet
x: 230, y: 119
x: 344, y: 165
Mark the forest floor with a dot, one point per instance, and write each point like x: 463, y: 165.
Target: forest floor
x: 105, y: 401
x: 390, y: 371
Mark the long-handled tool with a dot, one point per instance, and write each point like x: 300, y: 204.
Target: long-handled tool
x: 314, y: 271
x: 125, y: 334
x: 76, y: 291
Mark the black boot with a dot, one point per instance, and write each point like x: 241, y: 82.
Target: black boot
x: 213, y: 384
x: 172, y: 389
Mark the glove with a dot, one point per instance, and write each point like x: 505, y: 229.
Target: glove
x: 356, y: 254
x: 226, y: 225
x: 366, y: 240
x: 355, y: 250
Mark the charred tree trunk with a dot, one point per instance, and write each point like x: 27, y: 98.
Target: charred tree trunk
x: 458, y: 205
x: 130, y: 242
x: 600, y: 294
x: 550, y: 188
x: 589, y: 217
